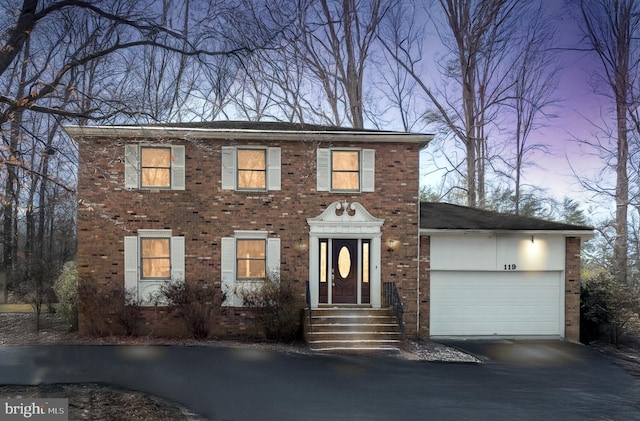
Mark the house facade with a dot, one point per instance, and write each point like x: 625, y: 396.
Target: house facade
x: 231, y: 203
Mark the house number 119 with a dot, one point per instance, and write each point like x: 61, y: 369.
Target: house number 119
x: 510, y: 267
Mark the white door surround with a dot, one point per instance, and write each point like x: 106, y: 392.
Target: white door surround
x: 352, y: 221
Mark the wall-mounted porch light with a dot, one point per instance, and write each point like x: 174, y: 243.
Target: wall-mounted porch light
x: 392, y: 244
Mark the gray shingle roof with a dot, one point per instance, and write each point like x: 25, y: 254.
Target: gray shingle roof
x: 453, y: 217
x: 260, y: 125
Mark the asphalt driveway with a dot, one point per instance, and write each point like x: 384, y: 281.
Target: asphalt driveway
x: 231, y: 384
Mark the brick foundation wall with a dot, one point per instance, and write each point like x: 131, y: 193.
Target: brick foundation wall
x: 204, y: 213
x: 572, y: 290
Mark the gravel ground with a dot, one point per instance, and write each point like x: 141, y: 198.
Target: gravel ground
x: 100, y: 402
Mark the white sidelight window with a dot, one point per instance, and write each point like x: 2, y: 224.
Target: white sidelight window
x: 346, y: 170
x: 151, y: 259
x: 154, y: 166
x: 247, y: 257
x: 251, y: 168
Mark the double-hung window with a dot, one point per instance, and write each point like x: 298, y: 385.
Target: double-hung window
x: 249, y: 257
x: 151, y: 259
x: 346, y: 170
x: 251, y: 168
x: 154, y: 166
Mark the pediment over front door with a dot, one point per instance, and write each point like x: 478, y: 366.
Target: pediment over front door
x: 345, y: 218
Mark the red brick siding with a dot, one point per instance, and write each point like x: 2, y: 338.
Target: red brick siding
x: 425, y: 286
x: 572, y: 290
x: 204, y: 213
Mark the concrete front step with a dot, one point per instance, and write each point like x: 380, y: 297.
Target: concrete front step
x: 353, y: 330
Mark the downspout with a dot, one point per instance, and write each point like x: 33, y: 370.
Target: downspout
x: 418, y: 274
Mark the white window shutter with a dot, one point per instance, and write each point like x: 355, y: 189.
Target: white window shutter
x: 177, y: 258
x: 228, y: 265
x: 273, y: 257
x: 323, y: 170
x: 177, y: 167
x: 131, y: 264
x: 228, y: 168
x: 274, y: 168
x: 131, y: 166
x: 368, y: 173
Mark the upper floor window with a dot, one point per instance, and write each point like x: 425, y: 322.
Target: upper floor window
x: 346, y: 170
x: 154, y: 167
x: 250, y: 168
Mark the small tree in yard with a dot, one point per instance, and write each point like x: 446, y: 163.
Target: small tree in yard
x: 66, y: 289
x: 277, y: 307
x: 195, y: 302
x: 36, y: 286
x: 607, y: 305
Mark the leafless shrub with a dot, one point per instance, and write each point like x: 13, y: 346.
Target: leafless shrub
x: 277, y: 307
x: 195, y: 302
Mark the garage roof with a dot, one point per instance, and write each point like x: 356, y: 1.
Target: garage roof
x: 445, y: 216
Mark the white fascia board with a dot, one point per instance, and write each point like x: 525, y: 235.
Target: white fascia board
x: 583, y: 234
x: 245, y: 134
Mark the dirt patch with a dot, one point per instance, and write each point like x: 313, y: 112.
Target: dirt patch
x: 627, y: 354
x: 97, y: 402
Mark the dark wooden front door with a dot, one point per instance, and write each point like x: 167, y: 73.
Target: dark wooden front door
x: 344, y: 269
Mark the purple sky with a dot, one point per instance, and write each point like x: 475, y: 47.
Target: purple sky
x: 579, y: 108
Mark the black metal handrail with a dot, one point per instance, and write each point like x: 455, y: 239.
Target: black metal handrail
x: 309, y: 306
x: 391, y: 298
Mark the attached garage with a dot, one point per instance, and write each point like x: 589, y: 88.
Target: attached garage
x: 500, y: 275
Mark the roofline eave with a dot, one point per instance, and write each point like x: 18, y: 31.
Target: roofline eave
x: 244, y: 134
x: 583, y: 234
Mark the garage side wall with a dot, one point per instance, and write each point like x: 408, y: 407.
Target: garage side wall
x: 572, y: 289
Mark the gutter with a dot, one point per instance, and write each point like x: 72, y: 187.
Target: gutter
x: 245, y: 134
x: 583, y: 234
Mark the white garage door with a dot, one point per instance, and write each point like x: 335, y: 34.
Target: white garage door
x: 495, y: 303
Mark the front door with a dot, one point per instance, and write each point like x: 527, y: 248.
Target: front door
x: 344, y: 270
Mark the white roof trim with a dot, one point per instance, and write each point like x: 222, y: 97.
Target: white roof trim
x: 243, y: 134
x: 583, y: 234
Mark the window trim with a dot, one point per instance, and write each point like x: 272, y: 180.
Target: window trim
x: 240, y: 259
x: 143, y: 258
x: 273, y: 168
x: 133, y: 280
x: 143, y: 167
x: 332, y: 171
x: 229, y: 270
x: 133, y: 166
x: 324, y: 170
x: 264, y: 150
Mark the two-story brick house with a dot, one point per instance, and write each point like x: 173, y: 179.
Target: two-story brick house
x: 235, y: 201
x: 231, y: 202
